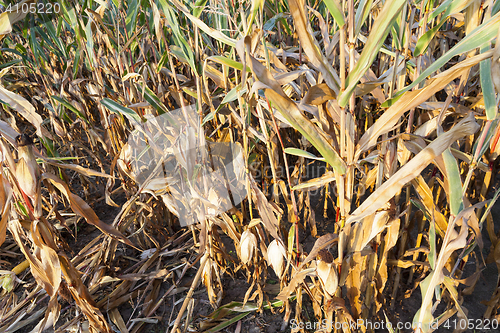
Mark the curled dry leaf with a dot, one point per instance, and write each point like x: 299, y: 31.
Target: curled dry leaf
x: 321, y: 243
x: 297, y: 279
x: 452, y: 241
x: 21, y: 105
x: 209, y: 275
x: 44, y: 263
x: 82, y: 297
x: 361, y: 234
x: 80, y: 207
x: 248, y: 244
x: 265, y: 210
x: 319, y: 94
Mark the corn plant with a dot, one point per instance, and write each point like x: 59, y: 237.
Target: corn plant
x: 140, y: 105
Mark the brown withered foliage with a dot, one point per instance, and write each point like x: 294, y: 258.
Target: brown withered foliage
x: 338, y: 155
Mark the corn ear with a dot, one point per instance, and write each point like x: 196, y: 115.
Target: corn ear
x: 248, y: 244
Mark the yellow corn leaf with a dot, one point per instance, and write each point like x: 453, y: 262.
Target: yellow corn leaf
x: 425, y: 194
x: 311, y: 132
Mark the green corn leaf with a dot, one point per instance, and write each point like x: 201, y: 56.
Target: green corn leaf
x: 424, y: 41
x: 90, y: 45
x: 185, y: 49
x: 198, y: 7
x: 490, y: 104
x: 152, y: 99
x: 482, y: 34
x: 122, y: 110
x: 228, y: 322
x: 70, y: 107
x: 302, y: 153
x: 496, y: 7
x: 453, y: 8
x: 455, y: 195
x: 432, y: 256
x: 334, y: 8
x: 375, y: 40
x: 228, y: 62
x: 256, y: 5
x: 131, y: 19
x: 361, y: 14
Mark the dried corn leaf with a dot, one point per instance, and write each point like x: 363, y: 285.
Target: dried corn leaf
x: 266, y: 212
x: 5, y: 198
x: 310, y: 45
x: 80, y: 207
x: 82, y: 297
x: 452, y: 241
x: 412, y: 99
x: 297, y: 279
x: 8, y: 132
x: 412, y: 169
x: 321, y: 243
x: 319, y: 94
x: 21, y: 105
x: 427, y: 198
x: 84, y: 171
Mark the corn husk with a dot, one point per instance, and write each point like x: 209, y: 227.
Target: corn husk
x: 276, y: 254
x: 327, y: 273
x: 248, y: 244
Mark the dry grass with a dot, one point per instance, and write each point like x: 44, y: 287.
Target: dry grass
x: 397, y: 100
